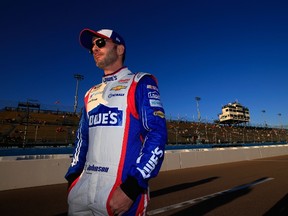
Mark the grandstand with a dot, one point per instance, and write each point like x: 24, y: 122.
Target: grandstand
x: 185, y: 132
x: 28, y: 125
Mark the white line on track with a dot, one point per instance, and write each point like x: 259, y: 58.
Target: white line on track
x: 201, y: 199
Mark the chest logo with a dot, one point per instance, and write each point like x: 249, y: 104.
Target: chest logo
x: 105, y: 116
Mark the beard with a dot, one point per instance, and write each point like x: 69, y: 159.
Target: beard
x: 110, y: 58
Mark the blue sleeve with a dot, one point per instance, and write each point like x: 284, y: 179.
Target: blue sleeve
x: 80, y: 150
x: 153, y: 130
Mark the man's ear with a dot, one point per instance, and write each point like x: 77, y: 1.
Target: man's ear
x: 120, y: 49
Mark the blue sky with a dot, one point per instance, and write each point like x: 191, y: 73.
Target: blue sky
x: 220, y: 51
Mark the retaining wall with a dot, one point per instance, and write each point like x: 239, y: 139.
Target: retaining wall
x: 48, y: 170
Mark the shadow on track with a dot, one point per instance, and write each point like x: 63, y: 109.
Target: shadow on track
x: 206, y: 206
x: 203, y: 205
x: 280, y: 208
x: 179, y: 187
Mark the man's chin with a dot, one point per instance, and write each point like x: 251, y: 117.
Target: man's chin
x: 99, y: 65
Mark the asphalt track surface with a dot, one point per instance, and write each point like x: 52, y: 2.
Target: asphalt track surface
x: 255, y: 187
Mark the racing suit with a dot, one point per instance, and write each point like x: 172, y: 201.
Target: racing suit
x: 120, y: 142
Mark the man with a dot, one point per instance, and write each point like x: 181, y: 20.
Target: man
x: 121, y: 137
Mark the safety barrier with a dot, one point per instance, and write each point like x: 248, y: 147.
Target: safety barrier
x: 32, y: 171
x: 202, y: 157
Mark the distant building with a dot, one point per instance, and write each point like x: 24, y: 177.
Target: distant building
x: 234, y: 113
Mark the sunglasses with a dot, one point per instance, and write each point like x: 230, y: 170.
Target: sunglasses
x: 101, y: 42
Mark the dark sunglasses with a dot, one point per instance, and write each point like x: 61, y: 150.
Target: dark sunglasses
x: 101, y: 42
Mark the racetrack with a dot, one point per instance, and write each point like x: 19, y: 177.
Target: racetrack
x: 241, y: 188
x: 255, y: 187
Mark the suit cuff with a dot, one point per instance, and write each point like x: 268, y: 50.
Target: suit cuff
x: 131, y: 188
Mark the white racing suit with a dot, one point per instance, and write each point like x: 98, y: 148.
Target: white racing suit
x: 120, y: 142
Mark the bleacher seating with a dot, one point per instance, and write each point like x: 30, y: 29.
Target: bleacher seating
x: 40, y: 127
x: 184, y: 132
x: 35, y: 127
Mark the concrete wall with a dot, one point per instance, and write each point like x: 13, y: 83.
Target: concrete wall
x: 49, y: 170
x: 33, y: 172
x: 195, y: 158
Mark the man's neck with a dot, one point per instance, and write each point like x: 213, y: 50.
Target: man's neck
x: 111, y: 69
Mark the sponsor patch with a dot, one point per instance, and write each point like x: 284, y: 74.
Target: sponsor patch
x: 95, y: 88
x: 154, y: 95
x: 155, y: 103
x: 110, y: 78
x: 92, y: 94
x: 159, y: 113
x: 91, y: 100
x: 105, y: 116
x: 118, y: 88
x: 115, y: 95
x: 152, y: 163
x: 152, y: 87
x: 124, y: 80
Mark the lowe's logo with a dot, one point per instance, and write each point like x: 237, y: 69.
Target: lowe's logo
x: 109, y: 78
x: 105, y: 116
x: 152, y: 163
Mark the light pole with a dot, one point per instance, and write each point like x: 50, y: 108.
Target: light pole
x: 264, y: 111
x: 78, y: 77
x: 198, y: 110
x: 280, y: 121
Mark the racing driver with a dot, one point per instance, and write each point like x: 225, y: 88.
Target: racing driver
x: 121, y: 137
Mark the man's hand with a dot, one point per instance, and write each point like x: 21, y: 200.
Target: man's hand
x: 119, y: 202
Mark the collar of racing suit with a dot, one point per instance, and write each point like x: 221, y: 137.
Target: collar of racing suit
x: 116, y: 75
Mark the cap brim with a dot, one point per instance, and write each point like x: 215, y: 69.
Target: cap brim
x: 86, y: 36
